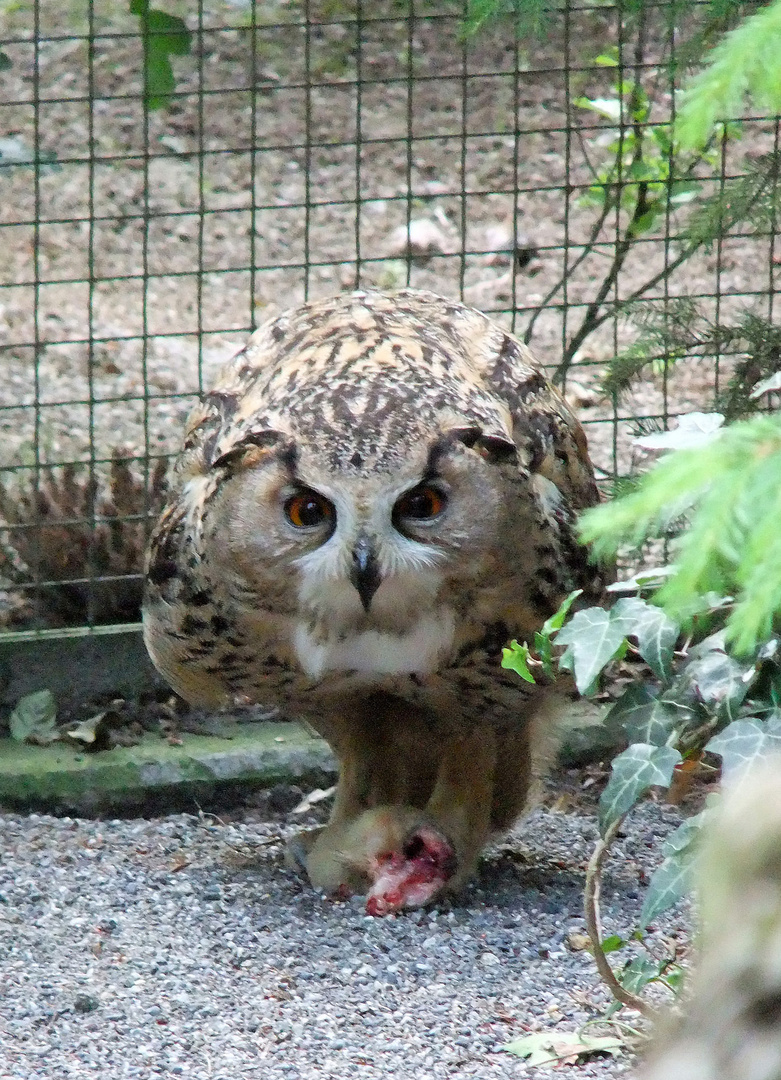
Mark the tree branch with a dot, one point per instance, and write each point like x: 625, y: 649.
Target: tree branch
x: 591, y: 912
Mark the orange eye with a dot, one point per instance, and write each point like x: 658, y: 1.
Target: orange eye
x: 422, y: 503
x: 307, y: 509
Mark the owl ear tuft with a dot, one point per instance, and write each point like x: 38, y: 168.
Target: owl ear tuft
x: 467, y: 435
x: 496, y: 448
x: 257, y: 440
x: 492, y: 447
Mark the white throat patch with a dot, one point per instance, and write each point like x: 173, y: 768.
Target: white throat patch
x: 374, y: 652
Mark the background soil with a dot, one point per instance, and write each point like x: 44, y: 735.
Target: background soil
x: 153, y: 243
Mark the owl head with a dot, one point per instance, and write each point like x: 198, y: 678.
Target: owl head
x: 369, y: 543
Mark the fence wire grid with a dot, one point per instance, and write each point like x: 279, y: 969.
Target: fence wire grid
x: 171, y: 178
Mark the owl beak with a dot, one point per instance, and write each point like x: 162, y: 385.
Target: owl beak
x: 365, y: 574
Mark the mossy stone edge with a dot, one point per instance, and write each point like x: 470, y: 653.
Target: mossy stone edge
x: 155, y: 776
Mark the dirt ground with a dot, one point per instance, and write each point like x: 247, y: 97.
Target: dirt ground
x: 152, y: 243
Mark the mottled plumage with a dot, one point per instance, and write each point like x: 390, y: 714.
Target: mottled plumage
x: 376, y: 496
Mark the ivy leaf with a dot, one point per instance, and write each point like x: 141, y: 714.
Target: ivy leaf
x: 639, y: 768
x: 651, y: 578
x: 5, y: 61
x: 556, y: 621
x: 516, y: 658
x: 767, y: 386
x: 163, y: 36
x: 745, y: 743
x: 656, y: 633
x: 593, y: 637
x: 639, y: 972
x: 562, y: 1047
x: 642, y: 717
x: 33, y: 719
x: 716, y: 679
x: 670, y: 881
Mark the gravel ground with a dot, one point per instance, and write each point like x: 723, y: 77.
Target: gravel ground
x: 181, y: 946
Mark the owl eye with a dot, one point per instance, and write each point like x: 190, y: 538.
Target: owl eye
x: 307, y: 509
x: 421, y: 504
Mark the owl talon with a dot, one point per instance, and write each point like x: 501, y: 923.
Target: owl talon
x: 298, y: 849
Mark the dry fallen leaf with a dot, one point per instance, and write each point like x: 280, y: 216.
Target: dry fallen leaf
x: 312, y: 799
x: 555, y: 1048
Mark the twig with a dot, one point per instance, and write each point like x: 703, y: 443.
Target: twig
x: 591, y: 911
x: 594, y: 319
x: 586, y: 250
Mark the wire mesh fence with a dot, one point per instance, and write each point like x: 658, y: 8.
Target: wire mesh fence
x: 170, y: 178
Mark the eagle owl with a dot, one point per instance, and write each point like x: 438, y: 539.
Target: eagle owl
x: 378, y: 494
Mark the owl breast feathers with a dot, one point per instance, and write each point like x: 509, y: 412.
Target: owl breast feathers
x: 377, y: 495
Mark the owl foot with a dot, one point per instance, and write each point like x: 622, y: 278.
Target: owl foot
x: 413, y: 875
x: 298, y: 849
x: 393, y: 855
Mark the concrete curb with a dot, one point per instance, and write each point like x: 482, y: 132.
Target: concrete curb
x: 155, y: 776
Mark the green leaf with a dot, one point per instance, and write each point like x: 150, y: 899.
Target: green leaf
x: 5, y: 61
x: 630, y: 712
x: 612, y: 943
x: 660, y: 133
x: 639, y: 972
x: 556, y: 621
x: 641, y: 717
x: 651, y: 578
x: 173, y: 29
x: 675, y: 978
x: 160, y: 81
x: 528, y: 16
x: 682, y: 195
x: 656, y: 633
x: 730, y: 492
x: 745, y: 743
x: 745, y: 62
x: 639, y: 768
x: 641, y: 170
x: 716, y: 679
x: 645, y: 222
x: 670, y: 881
x: 163, y: 36
x: 515, y: 658
x: 593, y: 637
x: 34, y: 719
x: 610, y: 108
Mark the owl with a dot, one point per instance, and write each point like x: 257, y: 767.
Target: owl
x: 378, y: 494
